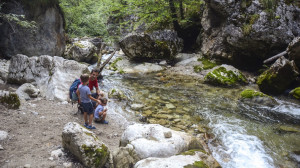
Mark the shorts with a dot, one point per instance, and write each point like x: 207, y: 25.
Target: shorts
x: 88, y: 108
x: 99, y: 119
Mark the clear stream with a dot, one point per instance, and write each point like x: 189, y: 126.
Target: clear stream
x: 244, y: 136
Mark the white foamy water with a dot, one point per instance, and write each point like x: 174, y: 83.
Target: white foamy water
x: 288, y: 108
x: 237, y: 149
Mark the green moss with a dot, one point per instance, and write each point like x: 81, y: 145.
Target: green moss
x: 246, y: 3
x: 296, y: 93
x: 197, y: 68
x: 248, y: 93
x: 97, y: 156
x: 247, y: 29
x: 197, y: 164
x: 79, y: 45
x: 10, y: 101
x: 221, y: 76
x: 192, y: 152
x: 113, y: 65
x: 277, y: 17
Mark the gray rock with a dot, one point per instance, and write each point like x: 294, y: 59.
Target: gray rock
x: 244, y: 34
x: 47, y: 38
x: 27, y: 91
x: 52, y: 75
x: 4, y: 65
x: 294, y: 51
x: 278, y: 77
x: 157, y: 45
x: 81, y: 50
x: 125, y: 157
x: 27, y: 166
x: 3, y: 135
x: 84, y: 145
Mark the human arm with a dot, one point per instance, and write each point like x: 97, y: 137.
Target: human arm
x: 91, y: 97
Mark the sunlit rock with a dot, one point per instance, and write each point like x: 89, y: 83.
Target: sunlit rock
x: 84, y: 145
x: 52, y: 75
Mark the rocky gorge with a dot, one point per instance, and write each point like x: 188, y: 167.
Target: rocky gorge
x: 203, y: 109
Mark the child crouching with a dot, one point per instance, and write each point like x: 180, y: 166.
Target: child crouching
x: 100, y: 112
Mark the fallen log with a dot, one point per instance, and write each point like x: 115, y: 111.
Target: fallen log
x: 275, y: 57
x: 107, y: 61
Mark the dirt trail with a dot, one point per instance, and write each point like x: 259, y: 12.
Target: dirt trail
x: 34, y: 131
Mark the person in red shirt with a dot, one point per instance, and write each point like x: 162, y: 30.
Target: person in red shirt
x: 93, y: 82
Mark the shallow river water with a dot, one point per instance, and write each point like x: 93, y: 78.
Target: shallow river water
x: 242, y: 135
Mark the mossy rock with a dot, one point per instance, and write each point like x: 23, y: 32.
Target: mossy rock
x: 286, y: 129
x: 10, y: 100
x: 248, y: 93
x: 97, y: 155
x: 295, y: 93
x: 197, y: 164
x: 223, y: 77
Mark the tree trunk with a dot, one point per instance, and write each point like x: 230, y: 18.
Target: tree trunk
x: 181, y: 9
x: 275, y: 57
x: 174, y: 16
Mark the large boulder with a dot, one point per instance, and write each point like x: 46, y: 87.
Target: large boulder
x: 157, y: 45
x: 246, y: 32
x: 278, y: 77
x: 47, y: 37
x: 82, y: 50
x: 294, y: 51
x: 84, y: 145
x: 52, y: 75
x: 152, y: 140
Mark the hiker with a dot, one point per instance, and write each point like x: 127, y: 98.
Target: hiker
x: 100, y: 112
x: 93, y: 82
x: 84, y: 95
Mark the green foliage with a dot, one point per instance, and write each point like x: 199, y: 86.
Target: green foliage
x: 247, y: 28
x: 270, y: 6
x: 155, y: 14
x: 11, y: 101
x: 14, y: 19
x: 84, y: 18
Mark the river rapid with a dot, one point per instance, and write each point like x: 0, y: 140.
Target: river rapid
x: 241, y: 135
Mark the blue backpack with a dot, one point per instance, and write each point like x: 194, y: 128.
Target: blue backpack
x: 73, y: 88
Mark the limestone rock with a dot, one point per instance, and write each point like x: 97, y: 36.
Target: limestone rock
x: 125, y: 157
x: 258, y: 98
x: 278, y: 77
x: 294, y: 51
x: 47, y: 38
x: 4, y: 65
x: 52, y: 75
x: 243, y: 33
x: 225, y: 75
x: 148, y: 140
x: 81, y: 50
x: 157, y: 45
x: 27, y: 91
x: 198, y: 159
x: 84, y: 145
x: 3, y: 135
x: 117, y: 94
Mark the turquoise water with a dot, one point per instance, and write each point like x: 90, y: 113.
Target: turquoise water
x: 243, y: 135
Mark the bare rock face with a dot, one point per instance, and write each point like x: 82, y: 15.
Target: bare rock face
x: 27, y: 91
x: 47, y: 38
x: 278, y: 77
x: 157, y: 45
x: 84, y: 145
x: 52, y: 75
x: 246, y: 32
x: 294, y: 51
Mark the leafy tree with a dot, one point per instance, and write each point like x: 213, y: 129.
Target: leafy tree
x: 84, y: 18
